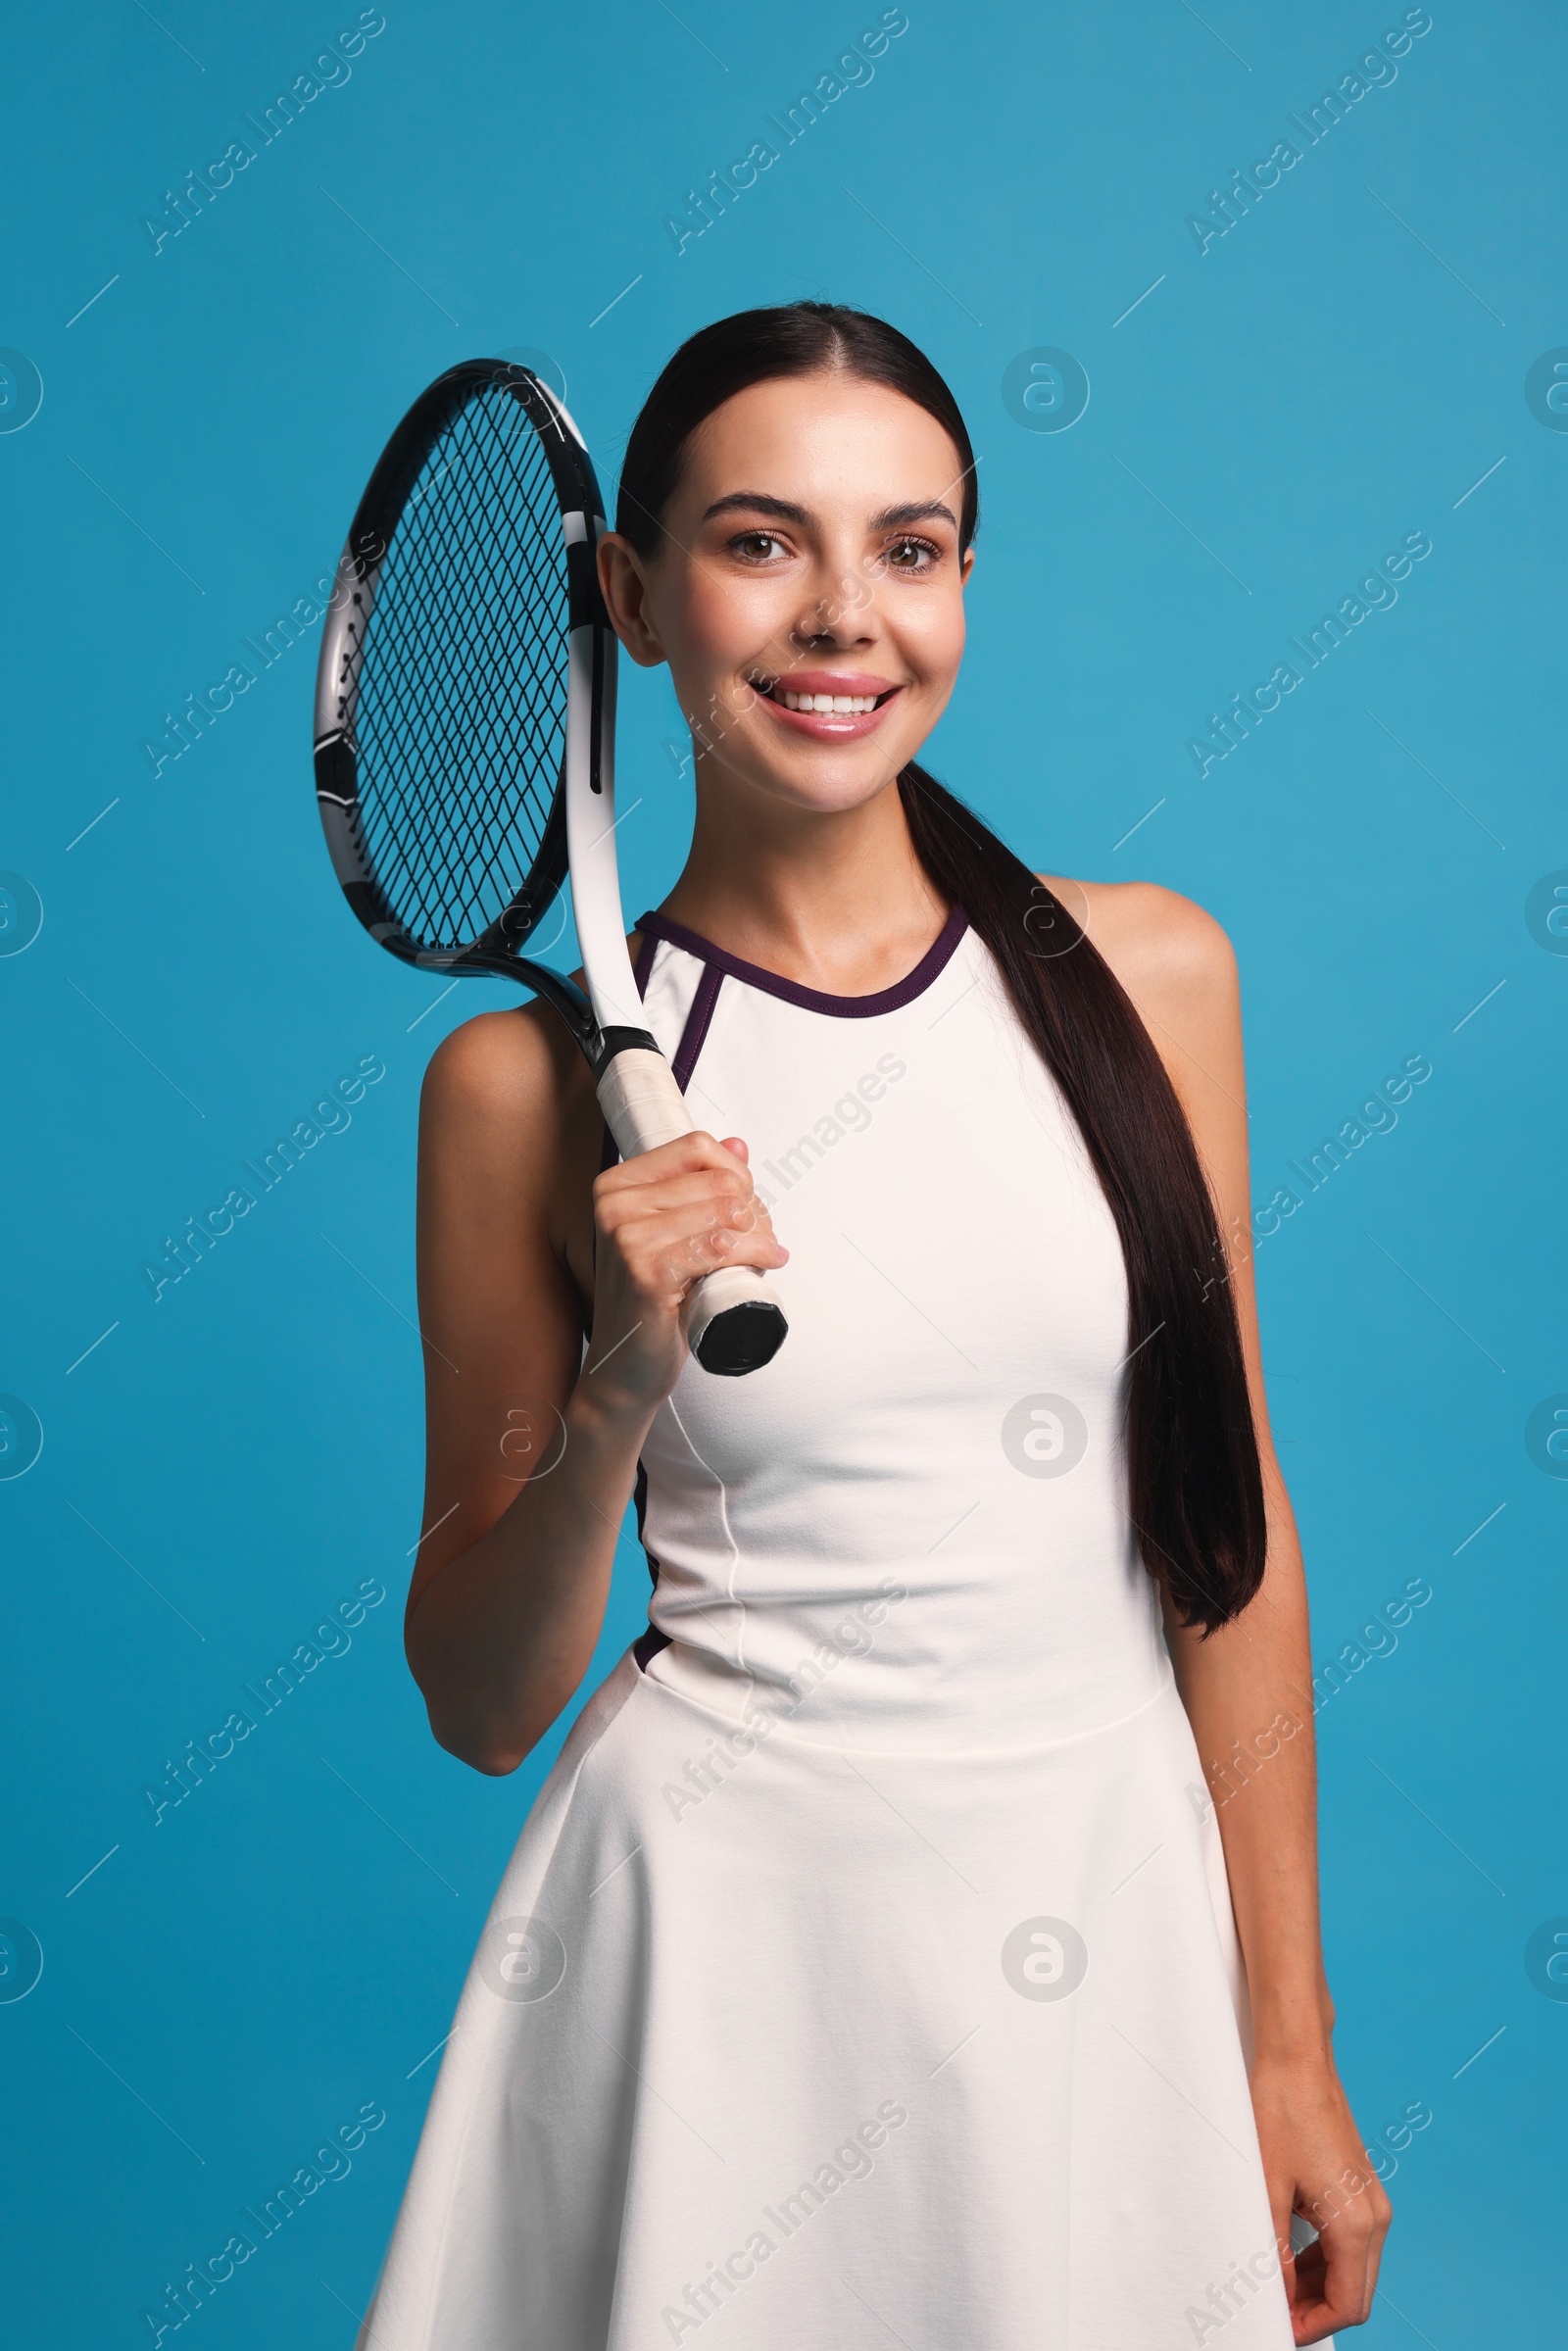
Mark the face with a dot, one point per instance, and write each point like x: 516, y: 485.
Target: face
x: 808, y: 595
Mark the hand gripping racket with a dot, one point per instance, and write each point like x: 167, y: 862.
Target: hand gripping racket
x: 465, y: 748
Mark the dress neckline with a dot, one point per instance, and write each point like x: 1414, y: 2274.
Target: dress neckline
x: 812, y: 1000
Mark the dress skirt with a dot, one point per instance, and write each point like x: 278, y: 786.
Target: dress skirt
x: 784, y: 2047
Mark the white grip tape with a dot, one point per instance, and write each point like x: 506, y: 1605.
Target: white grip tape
x: 642, y: 1104
x: 643, y: 1107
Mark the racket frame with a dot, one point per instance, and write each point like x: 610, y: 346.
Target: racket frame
x: 733, y: 1322
x: 495, y: 953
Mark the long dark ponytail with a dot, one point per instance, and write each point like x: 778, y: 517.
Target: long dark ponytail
x: 1194, y: 1485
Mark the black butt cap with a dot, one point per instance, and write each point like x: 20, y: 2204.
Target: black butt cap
x: 742, y: 1338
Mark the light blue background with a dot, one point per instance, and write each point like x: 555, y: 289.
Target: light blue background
x: 230, y: 1984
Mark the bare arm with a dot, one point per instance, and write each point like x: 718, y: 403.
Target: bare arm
x: 1247, y: 1688
x: 531, y: 1446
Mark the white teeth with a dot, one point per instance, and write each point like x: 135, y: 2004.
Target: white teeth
x: 837, y: 705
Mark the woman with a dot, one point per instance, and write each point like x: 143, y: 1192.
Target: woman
x: 868, y: 1967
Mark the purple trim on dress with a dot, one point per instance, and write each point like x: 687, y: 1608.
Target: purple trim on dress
x: 647, y: 1646
x: 695, y: 1034
x: 649, y: 1643
x: 812, y: 1000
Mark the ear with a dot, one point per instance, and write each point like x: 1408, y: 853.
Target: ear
x: 623, y: 584
x: 966, y: 567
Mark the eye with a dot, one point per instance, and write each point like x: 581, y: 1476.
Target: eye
x: 758, y: 546
x: 912, y: 555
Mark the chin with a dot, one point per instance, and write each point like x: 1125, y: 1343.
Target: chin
x: 827, y: 787
x: 818, y: 774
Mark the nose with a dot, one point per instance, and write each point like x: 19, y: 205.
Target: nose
x: 839, y: 615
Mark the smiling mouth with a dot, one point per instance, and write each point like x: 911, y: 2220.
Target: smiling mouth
x: 826, y: 706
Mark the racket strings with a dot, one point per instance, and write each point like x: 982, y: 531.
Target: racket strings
x: 460, y: 722
x: 458, y: 734
x: 443, y: 727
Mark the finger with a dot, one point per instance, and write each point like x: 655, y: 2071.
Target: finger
x: 663, y: 1258
x: 675, y: 1158
x: 637, y: 1229
x: 732, y: 1236
x: 1344, y: 2296
x: 1303, y: 2285
x: 704, y: 1253
x: 1382, y: 2218
x: 733, y: 1143
x: 718, y: 1189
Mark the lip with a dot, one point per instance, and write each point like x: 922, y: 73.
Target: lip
x: 831, y: 726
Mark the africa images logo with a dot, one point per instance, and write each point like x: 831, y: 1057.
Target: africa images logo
x: 1045, y: 1435
x: 1045, y: 1959
x: 523, y: 1958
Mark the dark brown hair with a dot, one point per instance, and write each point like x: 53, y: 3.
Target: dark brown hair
x: 1194, y: 1485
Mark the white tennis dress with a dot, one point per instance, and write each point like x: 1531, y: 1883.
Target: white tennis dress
x: 866, y: 1972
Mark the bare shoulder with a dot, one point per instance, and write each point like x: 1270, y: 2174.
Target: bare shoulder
x: 1165, y: 949
x: 1179, y: 969
x: 497, y: 1072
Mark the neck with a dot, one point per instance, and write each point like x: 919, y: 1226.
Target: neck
x: 835, y: 899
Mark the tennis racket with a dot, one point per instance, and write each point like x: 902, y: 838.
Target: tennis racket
x: 464, y: 749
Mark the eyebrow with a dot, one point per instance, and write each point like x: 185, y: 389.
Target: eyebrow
x: 784, y: 510
x: 924, y: 510
x: 781, y: 508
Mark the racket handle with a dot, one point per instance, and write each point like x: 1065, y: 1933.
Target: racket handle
x: 734, y: 1324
